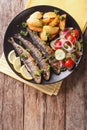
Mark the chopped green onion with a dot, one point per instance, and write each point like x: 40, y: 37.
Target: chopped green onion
x: 38, y: 73
x: 24, y: 24
x: 62, y: 17
x: 80, y: 40
x: 56, y: 11
x: 48, y: 35
x: 36, y: 33
x: 48, y: 67
x: 20, y: 42
x: 24, y: 33
x: 23, y: 55
x: 63, y: 69
x: 28, y: 50
x: 51, y: 56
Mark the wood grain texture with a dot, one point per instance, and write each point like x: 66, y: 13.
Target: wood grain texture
x: 11, y: 91
x: 43, y: 112
x: 1, y: 98
x: 12, y: 115
x: 24, y: 108
x: 76, y: 96
x: 85, y: 79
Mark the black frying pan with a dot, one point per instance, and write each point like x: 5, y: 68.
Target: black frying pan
x: 15, y: 27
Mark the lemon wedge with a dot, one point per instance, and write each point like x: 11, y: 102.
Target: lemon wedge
x: 11, y: 56
x: 17, y: 64
x: 26, y: 75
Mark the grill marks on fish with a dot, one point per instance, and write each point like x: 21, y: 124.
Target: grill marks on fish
x: 28, y: 60
x: 46, y: 51
x: 44, y: 66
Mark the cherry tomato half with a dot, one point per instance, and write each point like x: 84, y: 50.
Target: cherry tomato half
x: 69, y: 63
x: 70, y: 37
x: 76, y: 33
x: 58, y: 45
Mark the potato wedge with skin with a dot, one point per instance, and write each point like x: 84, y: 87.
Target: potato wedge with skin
x: 46, y: 20
x: 55, y: 21
x: 49, y: 15
x: 37, y: 15
x: 43, y: 35
x: 50, y: 29
x: 36, y: 29
x: 62, y: 22
x: 34, y: 22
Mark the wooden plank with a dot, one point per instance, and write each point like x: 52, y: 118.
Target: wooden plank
x: 1, y: 98
x: 11, y: 91
x: 12, y: 115
x: 85, y: 78
x: 43, y: 112
x: 76, y: 97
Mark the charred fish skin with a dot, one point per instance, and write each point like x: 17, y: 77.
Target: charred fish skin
x: 46, y: 50
x: 44, y: 66
x: 28, y: 60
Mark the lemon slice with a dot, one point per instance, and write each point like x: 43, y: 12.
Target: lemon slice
x: 17, y: 64
x: 25, y: 73
x: 11, y: 56
x: 59, y: 54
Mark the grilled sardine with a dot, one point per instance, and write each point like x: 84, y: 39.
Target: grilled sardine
x: 46, y: 50
x: 44, y: 66
x: 28, y: 60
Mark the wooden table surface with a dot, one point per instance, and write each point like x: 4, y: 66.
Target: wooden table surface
x: 24, y: 108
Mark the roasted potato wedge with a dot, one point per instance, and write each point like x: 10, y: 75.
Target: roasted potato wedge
x: 46, y: 20
x: 49, y: 15
x: 43, y: 35
x: 36, y: 29
x: 37, y: 15
x: 34, y: 22
x: 50, y: 29
x: 55, y: 21
x: 62, y: 22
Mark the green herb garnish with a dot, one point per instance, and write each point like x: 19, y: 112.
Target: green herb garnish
x: 28, y: 50
x: 24, y: 33
x: 48, y: 67
x: 62, y: 17
x: 51, y: 56
x: 38, y: 73
x: 20, y: 42
x: 63, y: 69
x: 56, y: 11
x: 48, y: 35
x: 81, y: 42
x: 36, y: 33
x: 24, y: 24
x: 23, y: 55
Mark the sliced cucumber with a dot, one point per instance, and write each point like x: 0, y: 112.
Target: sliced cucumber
x: 59, y: 54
